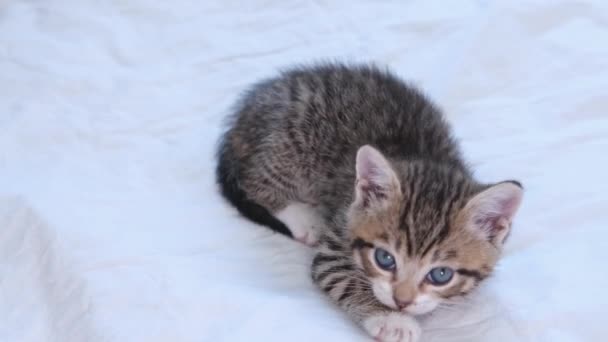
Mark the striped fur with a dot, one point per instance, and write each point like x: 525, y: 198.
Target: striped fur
x: 377, y: 164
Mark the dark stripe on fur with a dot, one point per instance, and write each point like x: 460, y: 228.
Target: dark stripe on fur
x: 445, y: 228
x: 470, y: 273
x: 403, y: 225
x: 439, y: 237
x: 332, y: 283
x: 230, y: 190
x: 359, y: 243
x: 324, y: 258
x: 331, y: 244
x: 348, y: 290
x: 332, y: 270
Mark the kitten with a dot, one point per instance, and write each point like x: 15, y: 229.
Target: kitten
x: 350, y: 159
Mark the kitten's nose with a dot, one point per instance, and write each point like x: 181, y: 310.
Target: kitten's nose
x: 402, y: 304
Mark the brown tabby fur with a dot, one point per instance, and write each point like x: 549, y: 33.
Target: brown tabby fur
x: 295, y: 138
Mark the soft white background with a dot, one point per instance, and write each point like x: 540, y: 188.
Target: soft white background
x: 111, y: 228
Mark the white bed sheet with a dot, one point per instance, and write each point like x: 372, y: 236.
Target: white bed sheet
x: 111, y: 228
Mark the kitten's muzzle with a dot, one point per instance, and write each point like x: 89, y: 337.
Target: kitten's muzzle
x: 402, y: 304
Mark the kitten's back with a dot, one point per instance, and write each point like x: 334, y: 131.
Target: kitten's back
x: 294, y: 137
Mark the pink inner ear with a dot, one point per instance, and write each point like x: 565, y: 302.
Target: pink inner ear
x: 508, y: 205
x: 374, y: 175
x: 369, y: 164
x: 492, y: 225
x: 494, y: 209
x: 370, y: 190
x: 368, y: 184
x: 365, y: 168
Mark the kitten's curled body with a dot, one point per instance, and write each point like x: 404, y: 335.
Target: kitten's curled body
x: 298, y: 157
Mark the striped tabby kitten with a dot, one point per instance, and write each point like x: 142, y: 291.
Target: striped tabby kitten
x: 353, y: 161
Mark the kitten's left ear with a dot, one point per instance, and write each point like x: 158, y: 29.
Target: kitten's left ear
x: 490, y: 213
x: 377, y: 183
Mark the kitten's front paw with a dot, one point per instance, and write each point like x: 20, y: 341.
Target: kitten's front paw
x: 392, y: 327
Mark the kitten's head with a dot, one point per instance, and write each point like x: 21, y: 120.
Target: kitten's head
x: 424, y: 232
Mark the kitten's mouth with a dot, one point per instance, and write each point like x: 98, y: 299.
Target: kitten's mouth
x: 408, y: 308
x: 418, y: 309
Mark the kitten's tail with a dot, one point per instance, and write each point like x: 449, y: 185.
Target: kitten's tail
x: 227, y: 177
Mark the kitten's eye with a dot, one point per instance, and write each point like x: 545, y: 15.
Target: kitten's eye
x: 384, y: 259
x: 440, y: 275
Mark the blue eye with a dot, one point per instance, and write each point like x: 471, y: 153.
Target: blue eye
x: 440, y: 275
x: 384, y: 259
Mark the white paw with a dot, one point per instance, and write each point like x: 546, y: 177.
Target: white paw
x: 303, y: 222
x: 392, y: 327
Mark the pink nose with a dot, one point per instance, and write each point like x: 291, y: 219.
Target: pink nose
x: 402, y: 304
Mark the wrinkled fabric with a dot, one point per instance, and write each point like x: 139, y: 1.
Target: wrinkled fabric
x: 111, y: 227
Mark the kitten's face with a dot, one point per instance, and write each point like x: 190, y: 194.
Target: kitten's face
x: 426, y: 235
x: 419, y: 281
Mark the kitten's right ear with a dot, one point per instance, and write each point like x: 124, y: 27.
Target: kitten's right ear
x: 376, y: 182
x: 490, y: 213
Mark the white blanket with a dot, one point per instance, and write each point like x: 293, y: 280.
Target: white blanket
x: 111, y: 227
